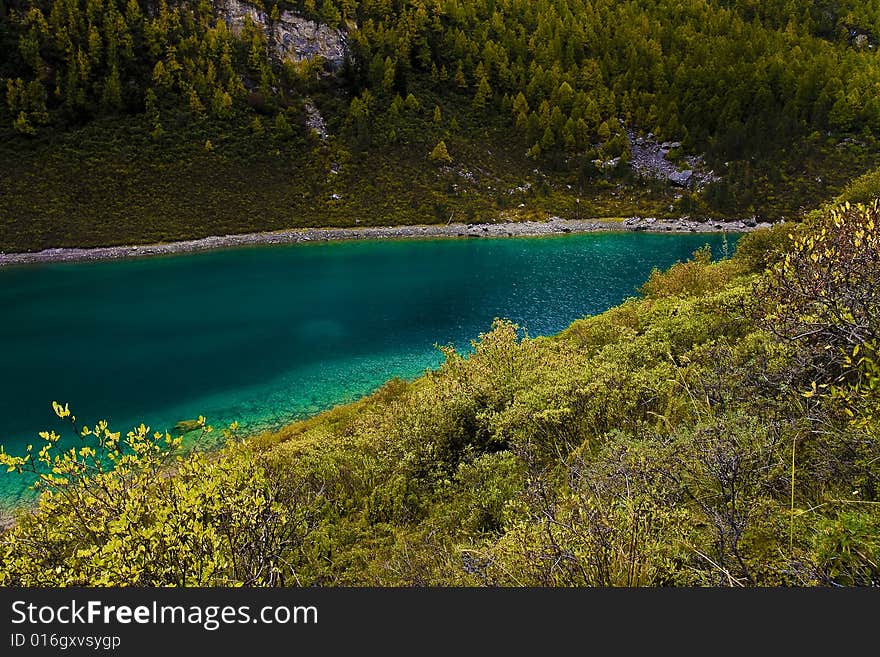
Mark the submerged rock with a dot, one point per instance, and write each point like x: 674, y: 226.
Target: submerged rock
x: 186, y: 426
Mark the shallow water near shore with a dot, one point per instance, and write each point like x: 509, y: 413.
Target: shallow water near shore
x: 267, y: 335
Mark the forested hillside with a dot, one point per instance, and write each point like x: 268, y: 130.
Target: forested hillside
x: 720, y: 429
x: 109, y: 104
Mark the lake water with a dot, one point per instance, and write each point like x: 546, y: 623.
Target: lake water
x: 270, y: 334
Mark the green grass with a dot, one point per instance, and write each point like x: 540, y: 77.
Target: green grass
x: 108, y: 183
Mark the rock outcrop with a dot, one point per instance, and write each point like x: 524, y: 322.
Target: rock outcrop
x: 314, y: 119
x: 648, y: 158
x: 292, y: 37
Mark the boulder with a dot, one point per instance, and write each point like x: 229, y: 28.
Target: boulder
x: 681, y: 178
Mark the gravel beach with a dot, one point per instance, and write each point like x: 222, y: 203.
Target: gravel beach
x: 553, y: 226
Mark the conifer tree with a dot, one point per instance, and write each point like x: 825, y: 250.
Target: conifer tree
x: 440, y: 154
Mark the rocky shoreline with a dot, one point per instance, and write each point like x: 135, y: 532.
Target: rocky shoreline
x: 554, y: 226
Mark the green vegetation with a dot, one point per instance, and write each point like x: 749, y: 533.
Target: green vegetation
x: 861, y: 190
x: 151, y: 120
x: 440, y: 154
x: 720, y: 429
x: 137, y: 191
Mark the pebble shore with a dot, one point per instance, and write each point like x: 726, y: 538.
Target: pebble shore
x: 553, y: 226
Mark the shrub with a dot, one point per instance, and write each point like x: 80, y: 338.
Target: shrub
x: 694, y: 277
x: 759, y: 249
x: 825, y: 293
x: 134, y: 511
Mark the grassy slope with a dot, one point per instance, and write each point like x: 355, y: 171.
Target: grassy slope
x: 109, y: 183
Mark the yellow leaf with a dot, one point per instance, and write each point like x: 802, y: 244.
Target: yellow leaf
x: 60, y: 411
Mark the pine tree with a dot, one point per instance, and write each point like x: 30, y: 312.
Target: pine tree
x: 161, y: 77
x: 196, y: 107
x: 329, y: 14
x: 440, y: 155
x: 95, y: 46
x: 221, y: 104
x: 111, y: 97
x: 484, y: 92
x: 460, y: 80
x: 22, y: 125
x: 412, y: 103
x: 151, y: 109
x: 389, y: 70
x: 282, y: 127
x: 520, y: 105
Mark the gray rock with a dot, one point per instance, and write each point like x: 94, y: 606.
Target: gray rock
x: 648, y: 158
x: 315, y: 121
x: 681, y: 178
x: 292, y: 38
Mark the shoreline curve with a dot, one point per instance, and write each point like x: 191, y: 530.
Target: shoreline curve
x: 553, y: 226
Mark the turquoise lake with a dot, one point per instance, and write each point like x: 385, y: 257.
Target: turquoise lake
x: 267, y: 335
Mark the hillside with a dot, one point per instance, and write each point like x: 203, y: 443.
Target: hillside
x: 720, y: 429
x: 146, y: 121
